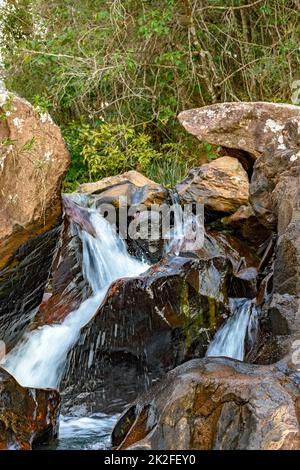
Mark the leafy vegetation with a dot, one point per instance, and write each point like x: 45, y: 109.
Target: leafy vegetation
x: 114, y: 74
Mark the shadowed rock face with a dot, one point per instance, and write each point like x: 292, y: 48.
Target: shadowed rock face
x: 22, y: 284
x: 274, y: 195
x: 66, y: 288
x: 214, y: 403
x: 28, y: 416
x: 219, y: 403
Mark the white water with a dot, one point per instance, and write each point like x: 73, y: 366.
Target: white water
x: 230, y: 339
x: 39, y: 359
x: 187, y: 232
x: 90, y: 433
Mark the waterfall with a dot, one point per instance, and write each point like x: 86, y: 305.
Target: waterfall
x: 231, y: 338
x: 39, y: 359
x: 187, y: 232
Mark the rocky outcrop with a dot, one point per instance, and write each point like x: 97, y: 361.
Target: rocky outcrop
x: 148, y: 325
x: 33, y: 161
x: 269, y: 136
x: 250, y: 127
x: 132, y: 187
x: 133, y: 177
x: 66, y: 288
x: 221, y: 185
x: 245, y: 224
x: 214, y: 403
x: 28, y: 416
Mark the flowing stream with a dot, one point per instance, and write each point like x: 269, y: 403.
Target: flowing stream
x: 230, y: 339
x: 39, y: 359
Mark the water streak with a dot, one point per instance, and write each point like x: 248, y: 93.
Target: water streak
x: 39, y: 359
x: 230, y: 339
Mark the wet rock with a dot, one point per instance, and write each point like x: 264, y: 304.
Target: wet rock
x: 146, y: 242
x: 66, y: 288
x: 250, y: 127
x: 275, y: 199
x: 28, y: 416
x: 225, y: 244
x: 245, y: 224
x: 214, y: 403
x: 221, y: 185
x: 33, y: 161
x: 244, y: 283
x: 269, y: 136
x: 22, y: 284
x: 147, y: 325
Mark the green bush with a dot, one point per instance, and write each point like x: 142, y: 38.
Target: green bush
x: 109, y: 149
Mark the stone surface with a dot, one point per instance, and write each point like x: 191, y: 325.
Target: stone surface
x: 22, y: 284
x: 28, y: 416
x: 245, y: 225
x: 275, y: 199
x: 145, y: 326
x: 33, y: 161
x: 250, y: 127
x: 66, y: 288
x: 214, y: 403
x: 221, y: 185
x: 133, y: 187
x: 133, y: 177
x: 268, y: 135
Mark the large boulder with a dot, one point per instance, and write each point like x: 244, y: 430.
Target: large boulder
x: 33, y: 161
x: 250, y: 127
x: 28, y: 416
x: 214, y: 403
x: 145, y: 326
x: 268, y: 135
x: 221, y: 185
x: 274, y: 195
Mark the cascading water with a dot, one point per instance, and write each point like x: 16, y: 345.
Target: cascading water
x: 187, y: 231
x: 39, y: 359
x: 230, y: 340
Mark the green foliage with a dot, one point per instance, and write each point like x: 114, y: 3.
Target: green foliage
x: 138, y: 63
x: 109, y: 149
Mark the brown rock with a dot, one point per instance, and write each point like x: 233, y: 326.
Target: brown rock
x: 133, y: 177
x: 245, y: 224
x: 150, y: 323
x: 221, y: 185
x: 214, y: 403
x: 135, y: 187
x: 251, y: 127
x: 33, y: 161
x: 28, y: 416
x: 272, y: 133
